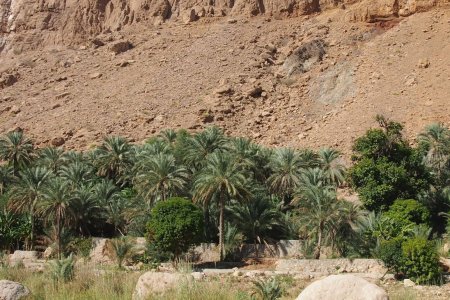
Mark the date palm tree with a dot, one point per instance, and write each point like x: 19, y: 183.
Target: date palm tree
x: 52, y: 158
x: 26, y: 195
x: 56, y: 207
x: 333, y: 169
x: 158, y: 177
x: 87, y: 208
x: 221, y: 180
x: 320, y: 212
x: 259, y: 220
x: 16, y: 149
x: 436, y: 140
x: 114, y: 159
x: 286, y: 165
x: 202, y: 145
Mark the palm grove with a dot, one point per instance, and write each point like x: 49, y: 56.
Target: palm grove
x: 245, y: 192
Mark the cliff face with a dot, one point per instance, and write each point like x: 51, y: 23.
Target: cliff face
x: 29, y: 24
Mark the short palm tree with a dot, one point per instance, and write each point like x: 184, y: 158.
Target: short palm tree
x: 16, y: 149
x: 123, y: 248
x: 26, y: 195
x: 222, y: 179
x: 159, y: 177
x: 114, y: 159
x: 260, y: 220
x: 56, y: 207
x: 334, y: 171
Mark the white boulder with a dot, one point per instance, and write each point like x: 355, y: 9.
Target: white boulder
x: 343, y: 287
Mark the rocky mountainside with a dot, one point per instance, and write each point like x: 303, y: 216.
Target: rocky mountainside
x: 303, y: 73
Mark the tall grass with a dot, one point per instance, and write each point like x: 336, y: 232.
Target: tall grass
x: 86, y: 284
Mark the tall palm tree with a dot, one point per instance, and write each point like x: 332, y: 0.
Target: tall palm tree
x: 260, y: 221
x: 52, y: 158
x: 56, y: 207
x: 169, y: 136
x: 159, y: 177
x: 6, y: 177
x: 286, y: 165
x: 16, y: 149
x: 334, y: 170
x: 320, y: 212
x: 114, y: 159
x: 436, y: 140
x: 26, y: 195
x: 222, y: 179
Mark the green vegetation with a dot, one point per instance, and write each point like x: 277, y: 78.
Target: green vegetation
x: 175, y: 225
x: 240, y: 191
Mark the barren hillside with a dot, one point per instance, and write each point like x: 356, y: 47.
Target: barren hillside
x: 298, y: 73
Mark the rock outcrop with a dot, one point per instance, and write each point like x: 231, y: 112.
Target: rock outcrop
x: 10, y: 290
x: 340, y: 287
x: 34, y: 23
x: 157, y: 283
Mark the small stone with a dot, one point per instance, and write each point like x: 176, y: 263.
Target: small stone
x: 121, y: 46
x: 232, y: 21
x: 95, y: 75
x: 15, y: 110
x: 408, y: 283
x: 423, y: 64
x: 63, y: 95
x: 58, y: 141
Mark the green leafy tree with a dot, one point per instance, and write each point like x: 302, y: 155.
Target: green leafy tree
x: 386, y: 167
x: 408, y: 213
x: 175, y: 225
x: 221, y: 180
x: 435, y: 140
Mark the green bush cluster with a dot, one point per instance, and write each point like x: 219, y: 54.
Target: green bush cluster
x: 415, y: 258
x: 175, y: 225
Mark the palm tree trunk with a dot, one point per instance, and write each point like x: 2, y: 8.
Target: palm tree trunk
x: 32, y: 229
x: 319, y: 243
x: 221, y: 228
x: 58, y: 234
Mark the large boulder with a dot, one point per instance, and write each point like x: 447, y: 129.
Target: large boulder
x: 22, y: 257
x: 157, y: 283
x: 343, y: 287
x: 10, y: 290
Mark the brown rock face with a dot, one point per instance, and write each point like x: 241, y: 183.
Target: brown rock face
x: 68, y: 22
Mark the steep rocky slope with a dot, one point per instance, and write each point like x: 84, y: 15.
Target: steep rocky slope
x: 304, y: 73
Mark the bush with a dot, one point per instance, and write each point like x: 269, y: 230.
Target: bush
x: 415, y: 258
x: 63, y: 269
x: 175, y: 225
x: 390, y: 253
x: 420, y: 261
x: 407, y: 212
x: 81, y: 246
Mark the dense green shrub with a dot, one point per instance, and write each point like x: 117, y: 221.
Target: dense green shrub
x: 408, y: 212
x: 63, y: 269
x: 420, y: 261
x: 81, y: 246
x: 390, y: 252
x: 175, y: 225
x: 415, y: 258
